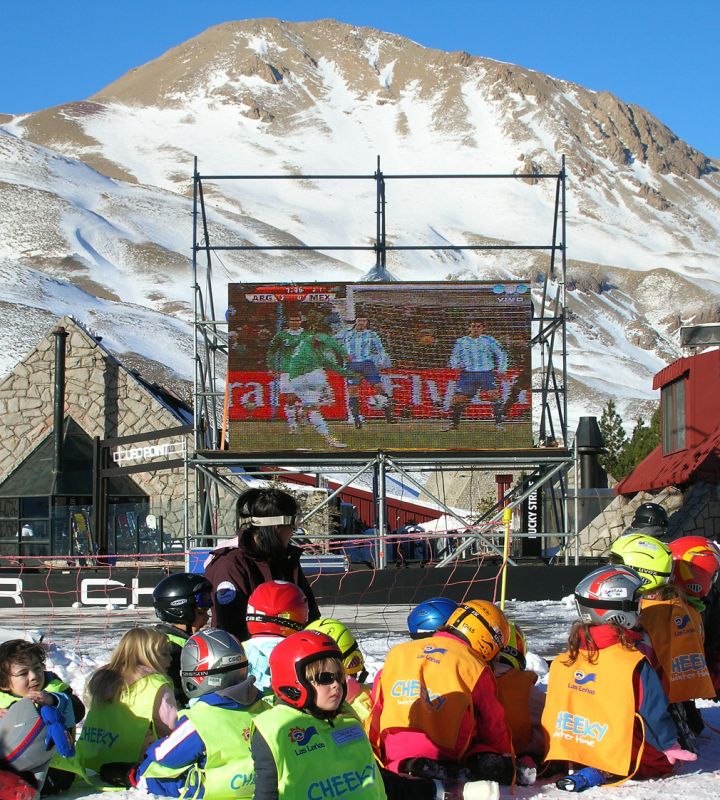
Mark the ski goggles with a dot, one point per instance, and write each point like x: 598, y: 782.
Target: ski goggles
x: 328, y: 678
x: 203, y: 600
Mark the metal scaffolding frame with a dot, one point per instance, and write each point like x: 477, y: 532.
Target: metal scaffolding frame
x: 546, y: 466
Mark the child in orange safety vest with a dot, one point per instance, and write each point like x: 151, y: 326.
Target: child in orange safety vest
x: 672, y: 617
x: 606, y: 713
x: 522, y: 700
x: 435, y: 710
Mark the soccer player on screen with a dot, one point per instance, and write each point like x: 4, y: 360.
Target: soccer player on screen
x: 298, y: 359
x: 482, y: 363
x: 366, y: 357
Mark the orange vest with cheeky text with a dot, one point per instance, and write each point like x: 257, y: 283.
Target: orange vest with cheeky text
x: 590, y: 709
x: 676, y: 632
x: 513, y: 690
x: 427, y: 685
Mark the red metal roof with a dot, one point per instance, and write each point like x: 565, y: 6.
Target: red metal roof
x: 672, y: 372
x: 657, y: 471
x: 700, y: 460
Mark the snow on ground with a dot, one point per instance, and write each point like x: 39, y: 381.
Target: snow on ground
x: 79, y: 640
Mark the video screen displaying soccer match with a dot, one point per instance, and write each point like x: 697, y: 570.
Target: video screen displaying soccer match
x: 358, y: 367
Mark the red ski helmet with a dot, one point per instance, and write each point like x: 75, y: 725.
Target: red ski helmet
x: 695, y: 565
x: 277, y: 608
x: 288, y: 661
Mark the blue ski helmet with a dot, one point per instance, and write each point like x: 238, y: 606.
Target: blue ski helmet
x: 429, y: 615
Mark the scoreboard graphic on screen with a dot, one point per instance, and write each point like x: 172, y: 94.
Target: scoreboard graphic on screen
x: 336, y: 367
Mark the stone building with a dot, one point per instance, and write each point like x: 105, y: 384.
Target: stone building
x: 45, y: 505
x: 46, y: 479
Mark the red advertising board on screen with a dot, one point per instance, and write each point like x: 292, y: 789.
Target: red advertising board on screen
x: 391, y: 366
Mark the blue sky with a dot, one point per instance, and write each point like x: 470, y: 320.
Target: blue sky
x: 659, y: 54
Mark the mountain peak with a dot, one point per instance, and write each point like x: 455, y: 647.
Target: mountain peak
x: 96, y: 192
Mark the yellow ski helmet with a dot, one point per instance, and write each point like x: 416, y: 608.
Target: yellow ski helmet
x: 648, y: 556
x: 514, y: 651
x: 352, y: 658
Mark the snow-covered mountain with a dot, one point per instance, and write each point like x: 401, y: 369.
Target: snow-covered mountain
x: 96, y: 194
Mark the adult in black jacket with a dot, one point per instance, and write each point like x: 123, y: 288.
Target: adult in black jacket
x: 266, y: 519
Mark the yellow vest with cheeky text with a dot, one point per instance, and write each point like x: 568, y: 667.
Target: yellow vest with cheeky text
x: 589, y: 712
x: 676, y: 632
x: 228, y: 771
x: 117, y: 731
x: 427, y: 685
x: 513, y: 690
x: 318, y: 760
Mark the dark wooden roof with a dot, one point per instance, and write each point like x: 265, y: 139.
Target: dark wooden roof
x: 34, y: 476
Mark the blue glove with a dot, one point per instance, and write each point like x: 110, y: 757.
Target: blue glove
x: 56, y: 732
x: 584, y: 778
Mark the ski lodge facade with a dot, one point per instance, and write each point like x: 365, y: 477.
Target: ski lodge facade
x: 688, y: 456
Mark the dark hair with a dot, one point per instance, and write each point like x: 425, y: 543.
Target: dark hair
x: 263, y: 539
x: 580, y: 634
x: 19, y: 651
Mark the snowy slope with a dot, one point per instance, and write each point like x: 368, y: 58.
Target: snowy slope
x: 97, y: 194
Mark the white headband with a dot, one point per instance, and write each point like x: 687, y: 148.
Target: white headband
x: 262, y: 521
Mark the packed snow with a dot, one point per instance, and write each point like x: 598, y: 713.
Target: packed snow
x: 80, y: 640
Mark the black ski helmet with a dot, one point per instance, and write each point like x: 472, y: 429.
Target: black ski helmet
x: 176, y: 597
x: 650, y: 515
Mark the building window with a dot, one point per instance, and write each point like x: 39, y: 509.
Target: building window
x: 672, y: 400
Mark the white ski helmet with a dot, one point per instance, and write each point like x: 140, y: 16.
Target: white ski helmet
x: 212, y: 659
x: 610, y: 594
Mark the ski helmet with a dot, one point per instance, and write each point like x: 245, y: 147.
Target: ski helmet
x: 650, y: 515
x: 647, y: 555
x: 483, y: 626
x: 514, y: 651
x: 211, y: 660
x: 610, y: 594
x: 288, y: 661
x: 695, y: 565
x: 177, y: 597
x: 353, y: 659
x: 276, y: 608
x: 22, y: 738
x: 695, y: 540
x: 429, y: 615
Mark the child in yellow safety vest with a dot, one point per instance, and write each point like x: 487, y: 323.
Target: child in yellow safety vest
x: 311, y: 745
x: 606, y: 711
x: 23, y: 677
x: 208, y: 753
x: 132, y: 702
x: 182, y: 603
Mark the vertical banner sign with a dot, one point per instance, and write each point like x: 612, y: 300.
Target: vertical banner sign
x: 532, y: 520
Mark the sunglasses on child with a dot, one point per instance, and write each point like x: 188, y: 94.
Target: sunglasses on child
x: 328, y: 678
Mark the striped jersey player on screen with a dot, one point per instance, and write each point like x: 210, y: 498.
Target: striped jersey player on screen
x: 366, y: 357
x: 483, y: 363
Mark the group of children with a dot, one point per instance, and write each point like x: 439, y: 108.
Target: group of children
x: 186, y: 711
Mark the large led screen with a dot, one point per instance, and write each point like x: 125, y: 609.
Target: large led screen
x: 379, y: 366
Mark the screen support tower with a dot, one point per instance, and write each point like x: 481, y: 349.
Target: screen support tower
x: 216, y: 469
